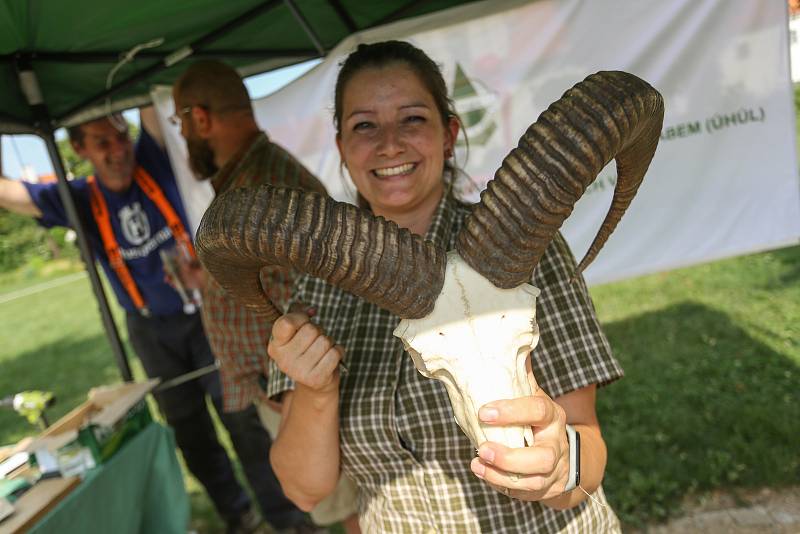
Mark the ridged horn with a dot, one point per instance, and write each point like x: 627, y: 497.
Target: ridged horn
x: 245, y: 230
x: 609, y: 115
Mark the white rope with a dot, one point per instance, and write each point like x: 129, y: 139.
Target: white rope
x: 595, y: 499
x: 606, y: 509
x: 126, y: 58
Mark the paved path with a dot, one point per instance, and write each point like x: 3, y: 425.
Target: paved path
x: 767, y: 511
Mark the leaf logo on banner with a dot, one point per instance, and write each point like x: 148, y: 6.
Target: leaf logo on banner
x: 475, y: 105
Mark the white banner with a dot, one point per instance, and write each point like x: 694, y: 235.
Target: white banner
x: 724, y: 180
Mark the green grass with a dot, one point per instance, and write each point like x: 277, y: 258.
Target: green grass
x: 710, y: 398
x: 37, y: 271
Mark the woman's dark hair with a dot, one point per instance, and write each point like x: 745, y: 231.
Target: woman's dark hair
x: 386, y: 53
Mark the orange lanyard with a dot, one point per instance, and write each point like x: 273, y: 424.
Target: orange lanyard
x: 103, y: 220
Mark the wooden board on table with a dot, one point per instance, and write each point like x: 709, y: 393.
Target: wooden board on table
x: 36, y: 502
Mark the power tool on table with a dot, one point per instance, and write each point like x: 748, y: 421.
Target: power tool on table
x: 31, y: 405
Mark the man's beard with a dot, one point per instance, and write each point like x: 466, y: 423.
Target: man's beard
x: 201, y: 158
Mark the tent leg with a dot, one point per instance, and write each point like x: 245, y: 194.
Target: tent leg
x: 65, y: 192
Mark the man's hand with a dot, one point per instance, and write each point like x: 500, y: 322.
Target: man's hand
x: 181, y: 270
x: 192, y: 274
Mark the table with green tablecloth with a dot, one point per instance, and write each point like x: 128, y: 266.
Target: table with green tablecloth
x: 139, y: 490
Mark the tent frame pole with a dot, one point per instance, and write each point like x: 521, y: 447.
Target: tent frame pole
x: 43, y: 127
x: 301, y: 20
x: 177, y: 56
x: 346, y: 19
x: 67, y: 199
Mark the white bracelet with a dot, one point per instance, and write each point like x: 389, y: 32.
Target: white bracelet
x: 574, y: 459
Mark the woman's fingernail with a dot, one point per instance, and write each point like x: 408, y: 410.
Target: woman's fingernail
x: 479, y: 469
x: 488, y: 414
x: 487, y: 454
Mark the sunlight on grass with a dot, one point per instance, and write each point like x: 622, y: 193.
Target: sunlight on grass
x: 37, y: 273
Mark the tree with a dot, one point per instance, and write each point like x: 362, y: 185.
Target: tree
x: 73, y: 163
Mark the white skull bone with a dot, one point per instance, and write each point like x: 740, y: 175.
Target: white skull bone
x: 476, y: 341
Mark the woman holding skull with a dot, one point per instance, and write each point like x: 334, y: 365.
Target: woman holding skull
x: 389, y: 428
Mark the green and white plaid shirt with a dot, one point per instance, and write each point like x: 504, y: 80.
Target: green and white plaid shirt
x: 399, y: 440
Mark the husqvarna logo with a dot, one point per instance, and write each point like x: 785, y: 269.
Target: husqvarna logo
x: 476, y: 106
x: 134, y: 223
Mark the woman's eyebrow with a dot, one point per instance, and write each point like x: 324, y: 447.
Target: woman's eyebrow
x: 415, y: 105
x: 359, y: 112
x: 403, y: 107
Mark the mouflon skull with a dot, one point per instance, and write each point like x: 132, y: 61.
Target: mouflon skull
x: 477, y: 297
x: 476, y: 341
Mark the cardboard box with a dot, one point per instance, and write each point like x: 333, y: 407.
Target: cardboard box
x: 91, y: 433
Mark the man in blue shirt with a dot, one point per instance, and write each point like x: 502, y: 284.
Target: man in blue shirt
x: 132, y: 210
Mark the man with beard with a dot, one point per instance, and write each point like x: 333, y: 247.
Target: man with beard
x: 133, y: 211
x: 226, y: 145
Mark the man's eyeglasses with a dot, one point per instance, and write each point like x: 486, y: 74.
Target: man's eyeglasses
x: 176, y: 118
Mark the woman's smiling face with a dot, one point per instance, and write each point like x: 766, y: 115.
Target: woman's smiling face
x: 393, y: 140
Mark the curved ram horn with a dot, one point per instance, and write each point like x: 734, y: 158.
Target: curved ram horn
x: 245, y: 230
x: 608, y: 115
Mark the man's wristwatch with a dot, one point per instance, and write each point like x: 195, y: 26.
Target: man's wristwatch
x: 574, y: 459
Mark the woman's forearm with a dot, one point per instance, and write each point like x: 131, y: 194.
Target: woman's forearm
x: 305, y: 455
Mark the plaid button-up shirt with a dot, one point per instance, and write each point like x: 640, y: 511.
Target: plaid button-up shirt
x: 237, y: 337
x: 399, y: 440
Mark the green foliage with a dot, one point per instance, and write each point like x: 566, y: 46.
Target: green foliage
x: 73, y: 163
x: 20, y: 239
x: 797, y: 98
x: 23, y: 242
x: 797, y: 114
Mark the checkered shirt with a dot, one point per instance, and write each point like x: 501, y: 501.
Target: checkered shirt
x: 237, y: 337
x: 399, y: 440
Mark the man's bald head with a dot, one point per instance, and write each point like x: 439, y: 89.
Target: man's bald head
x: 214, y: 85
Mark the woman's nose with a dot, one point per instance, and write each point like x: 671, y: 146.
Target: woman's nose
x: 389, y: 142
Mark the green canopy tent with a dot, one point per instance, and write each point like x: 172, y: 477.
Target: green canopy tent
x: 63, y: 63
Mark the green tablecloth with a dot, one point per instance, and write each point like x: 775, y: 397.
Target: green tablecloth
x: 139, y: 490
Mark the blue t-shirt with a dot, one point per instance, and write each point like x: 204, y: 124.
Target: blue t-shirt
x: 139, y: 227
